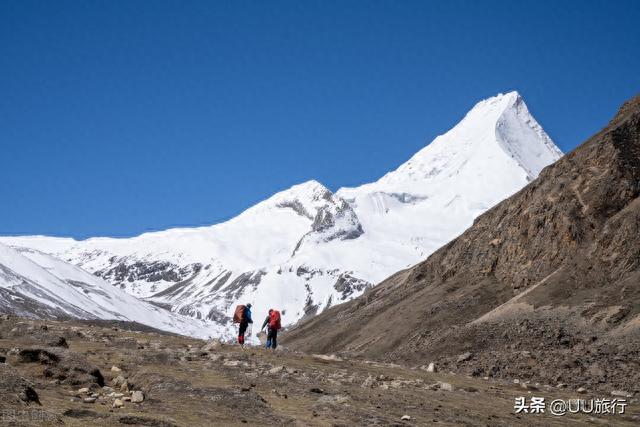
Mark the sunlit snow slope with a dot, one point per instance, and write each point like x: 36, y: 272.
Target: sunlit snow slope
x: 34, y: 284
x: 307, y: 248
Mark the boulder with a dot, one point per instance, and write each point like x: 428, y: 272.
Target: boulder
x: 446, y: 386
x: 118, y: 381
x: 276, y: 370
x: 137, y: 397
x: 465, y: 356
x: 63, y: 365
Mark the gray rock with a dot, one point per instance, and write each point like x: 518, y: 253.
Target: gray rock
x: 118, y: 381
x: 137, y: 397
x: 465, y: 356
x: 211, y: 345
x: 446, y: 386
x: 621, y: 393
x: 275, y: 370
x: 328, y: 358
x: 234, y: 363
x: 368, y: 382
x: 339, y: 399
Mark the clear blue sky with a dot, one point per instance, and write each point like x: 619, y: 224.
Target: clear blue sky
x: 118, y: 117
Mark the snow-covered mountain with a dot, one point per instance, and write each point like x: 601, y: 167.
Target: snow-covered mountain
x: 34, y: 284
x: 307, y: 248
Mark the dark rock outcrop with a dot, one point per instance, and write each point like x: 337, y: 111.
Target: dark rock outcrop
x: 63, y: 365
x: 14, y: 389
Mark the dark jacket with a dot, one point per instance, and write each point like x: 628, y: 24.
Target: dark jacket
x: 266, y: 322
x: 246, y: 318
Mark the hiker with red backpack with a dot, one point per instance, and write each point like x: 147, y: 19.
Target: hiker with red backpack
x: 272, y: 322
x: 242, y: 315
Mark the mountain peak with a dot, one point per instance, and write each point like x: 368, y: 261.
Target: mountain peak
x: 306, y: 192
x: 312, y: 185
x: 497, y: 133
x: 495, y: 105
x: 522, y: 138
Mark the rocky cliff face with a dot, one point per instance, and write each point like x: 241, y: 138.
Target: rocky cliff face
x: 548, y: 278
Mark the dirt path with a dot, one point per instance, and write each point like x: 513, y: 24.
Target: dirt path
x: 187, y: 382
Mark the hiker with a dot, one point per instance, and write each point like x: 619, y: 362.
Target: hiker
x: 272, y: 322
x: 242, y: 315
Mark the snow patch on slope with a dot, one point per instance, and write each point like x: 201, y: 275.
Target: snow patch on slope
x: 69, y: 290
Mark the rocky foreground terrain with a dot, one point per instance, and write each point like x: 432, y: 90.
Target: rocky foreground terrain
x: 103, y: 374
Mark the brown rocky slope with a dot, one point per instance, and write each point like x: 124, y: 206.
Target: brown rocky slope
x: 546, y: 285
x: 90, y: 373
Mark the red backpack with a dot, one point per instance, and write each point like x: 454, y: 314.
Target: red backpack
x: 274, y: 320
x: 238, y: 315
